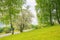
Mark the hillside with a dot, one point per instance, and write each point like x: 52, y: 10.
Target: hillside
x: 48, y: 33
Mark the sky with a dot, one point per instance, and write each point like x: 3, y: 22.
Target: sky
x: 1, y: 25
x: 32, y: 4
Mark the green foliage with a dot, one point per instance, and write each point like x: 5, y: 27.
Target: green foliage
x: 45, y: 11
x: 7, y: 29
x: 1, y: 30
x: 24, y: 19
x: 10, y: 7
x: 9, y: 10
x: 35, y: 26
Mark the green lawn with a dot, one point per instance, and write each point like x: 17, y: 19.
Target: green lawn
x: 48, y: 33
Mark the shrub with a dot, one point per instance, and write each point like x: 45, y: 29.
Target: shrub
x: 7, y: 29
x: 1, y: 30
x: 35, y: 26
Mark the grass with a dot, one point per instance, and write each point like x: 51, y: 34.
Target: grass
x: 48, y: 33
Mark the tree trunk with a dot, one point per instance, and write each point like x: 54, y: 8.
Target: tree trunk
x: 57, y: 13
x: 51, y: 22
x: 57, y: 17
x: 22, y: 28
x: 12, y: 29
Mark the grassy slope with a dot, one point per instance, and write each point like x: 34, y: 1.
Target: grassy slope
x: 50, y: 33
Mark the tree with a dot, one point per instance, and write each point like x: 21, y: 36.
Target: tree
x: 13, y: 7
x: 57, y: 10
x: 45, y: 8
x: 24, y: 20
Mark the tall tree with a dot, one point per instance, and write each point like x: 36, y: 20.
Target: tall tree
x: 13, y: 8
x: 57, y: 2
x: 45, y: 8
x: 24, y: 19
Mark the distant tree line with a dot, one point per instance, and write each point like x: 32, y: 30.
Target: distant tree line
x: 48, y: 11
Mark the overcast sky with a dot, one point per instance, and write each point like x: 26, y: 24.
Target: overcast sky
x: 32, y: 4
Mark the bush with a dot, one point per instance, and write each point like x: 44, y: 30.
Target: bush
x: 35, y: 26
x: 7, y: 29
x: 1, y: 30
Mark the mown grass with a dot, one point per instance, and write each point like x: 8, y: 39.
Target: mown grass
x: 48, y: 33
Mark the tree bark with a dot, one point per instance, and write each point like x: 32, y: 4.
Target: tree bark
x: 51, y: 22
x: 57, y: 13
x: 21, y: 27
x: 12, y: 29
x: 57, y: 17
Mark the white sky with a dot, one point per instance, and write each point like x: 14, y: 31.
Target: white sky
x: 32, y: 4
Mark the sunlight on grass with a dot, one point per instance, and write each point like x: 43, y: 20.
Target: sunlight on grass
x: 48, y: 33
